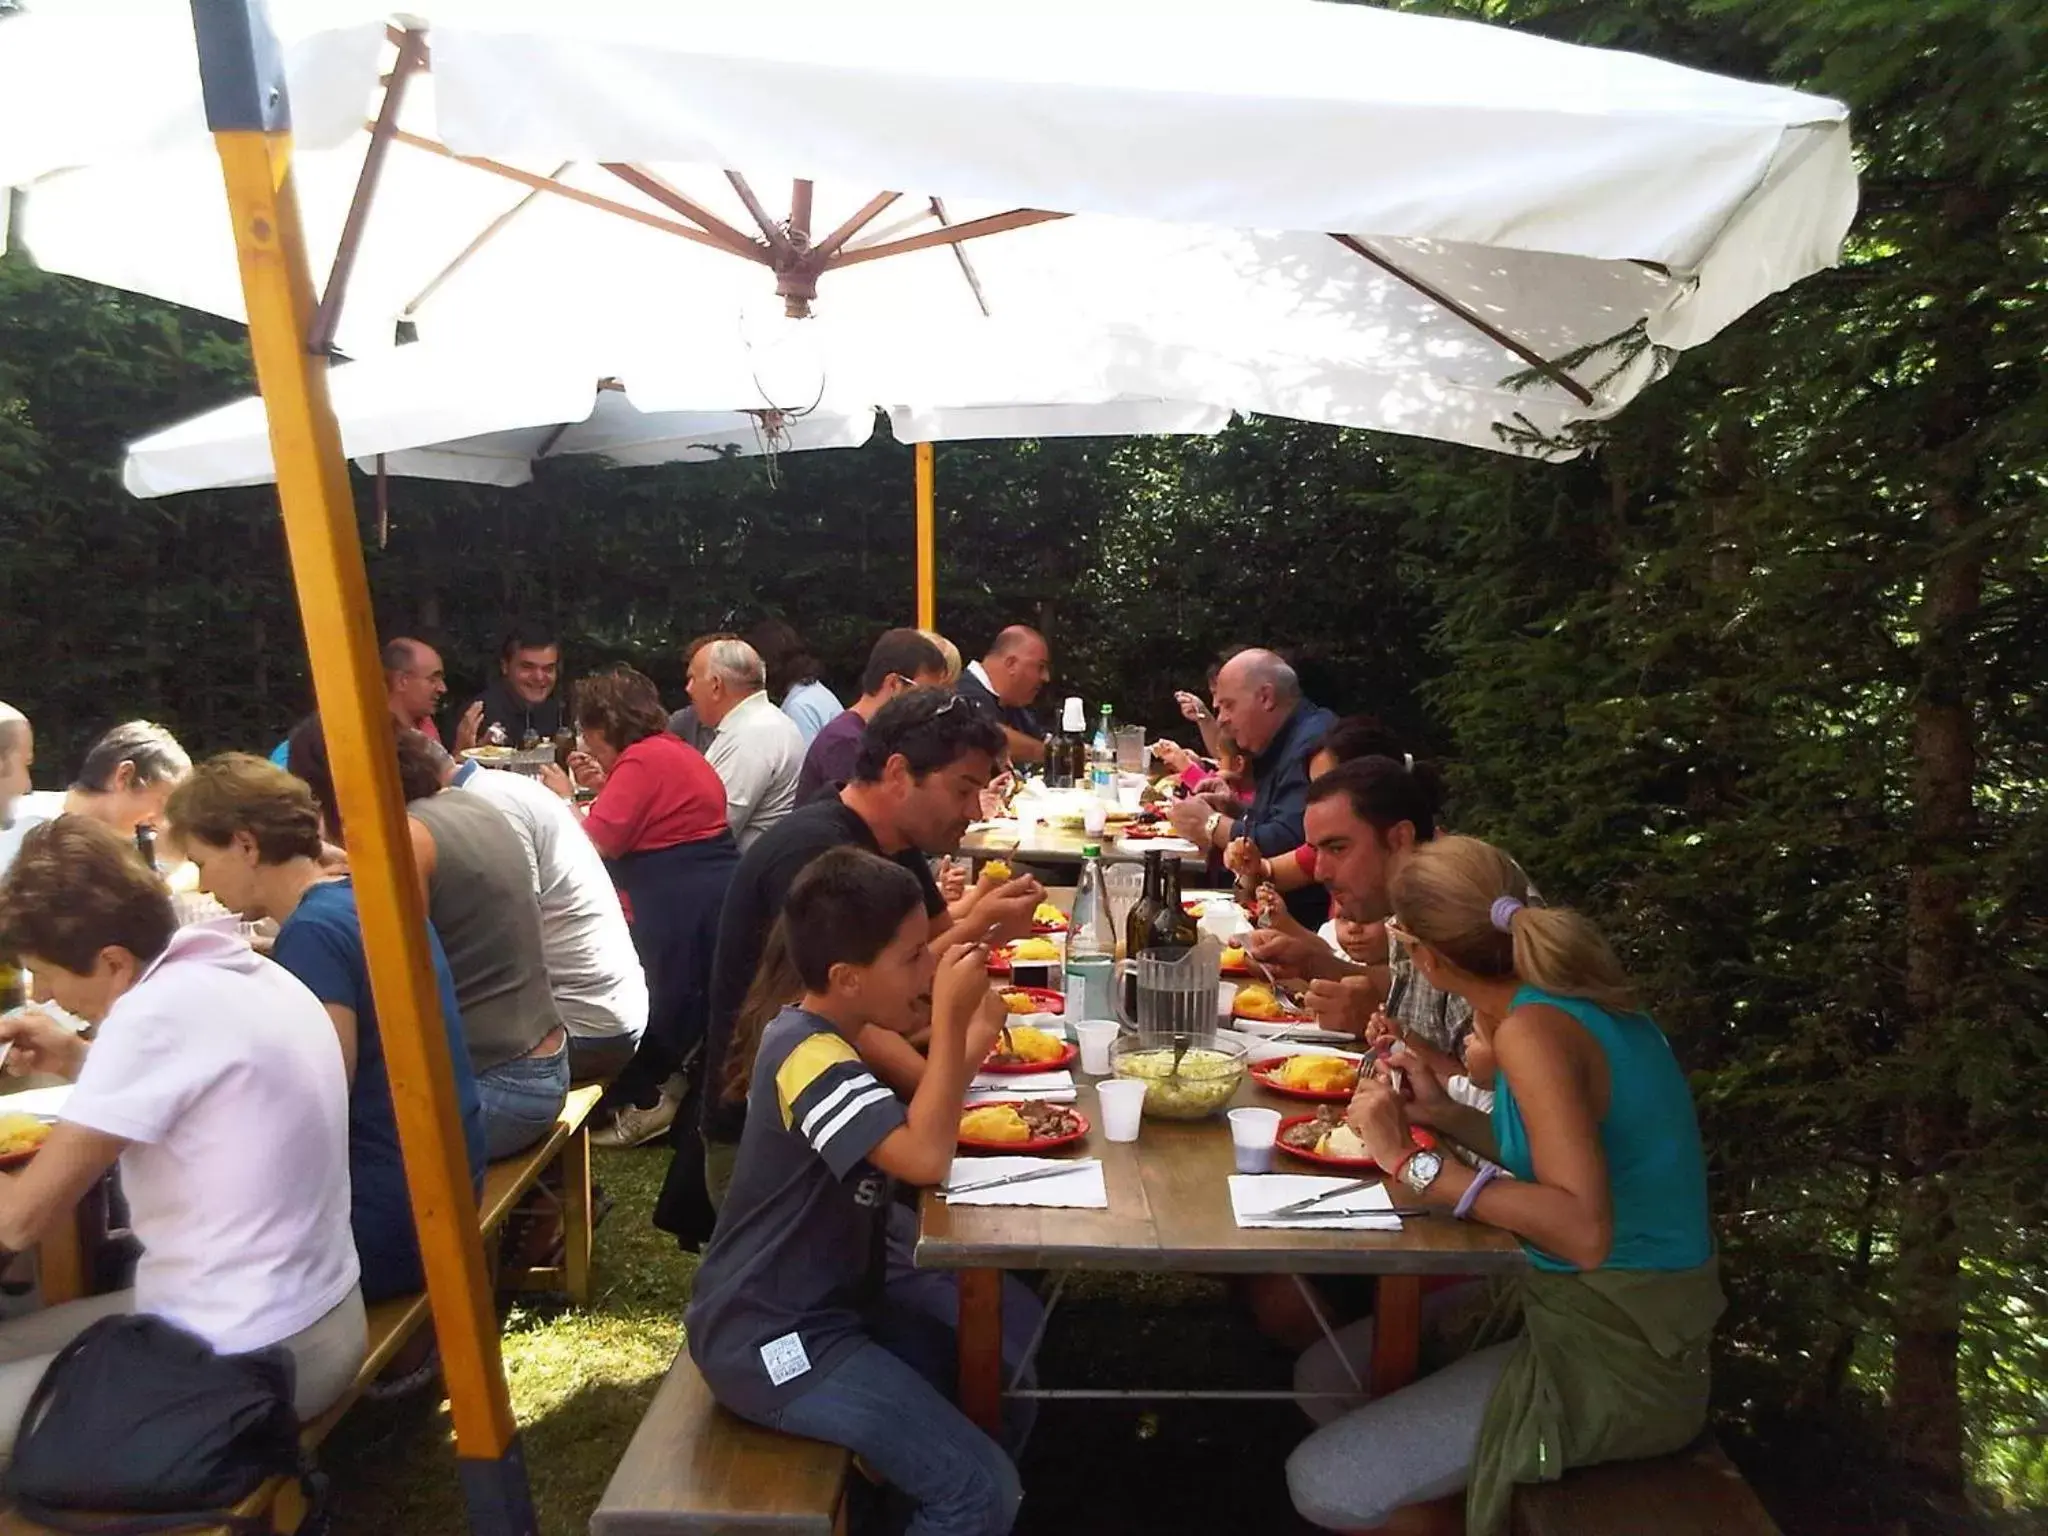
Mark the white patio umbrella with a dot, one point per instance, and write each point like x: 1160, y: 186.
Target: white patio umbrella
x: 1326, y: 211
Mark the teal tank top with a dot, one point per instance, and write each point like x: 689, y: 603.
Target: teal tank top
x: 1656, y: 1169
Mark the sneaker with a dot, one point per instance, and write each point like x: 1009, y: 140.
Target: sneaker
x: 635, y: 1127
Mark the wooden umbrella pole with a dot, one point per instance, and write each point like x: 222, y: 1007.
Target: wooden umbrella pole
x: 927, y: 540
x: 242, y: 76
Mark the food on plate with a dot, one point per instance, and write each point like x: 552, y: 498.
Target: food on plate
x: 1049, y: 916
x: 21, y: 1133
x: 1029, y: 950
x: 995, y: 869
x: 490, y: 754
x: 1027, y: 1044
x: 1326, y: 1135
x: 1233, y: 958
x: 1257, y: 1002
x: 1021, y: 1002
x: 1204, y: 1084
x: 1012, y: 1123
x: 1317, y: 1074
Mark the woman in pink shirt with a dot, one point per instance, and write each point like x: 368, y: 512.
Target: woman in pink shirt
x: 659, y: 821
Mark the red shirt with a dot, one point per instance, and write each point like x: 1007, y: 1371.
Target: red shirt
x: 660, y: 792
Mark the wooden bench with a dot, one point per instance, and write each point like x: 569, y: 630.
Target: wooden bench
x: 1694, y: 1492
x: 391, y: 1323
x: 694, y: 1468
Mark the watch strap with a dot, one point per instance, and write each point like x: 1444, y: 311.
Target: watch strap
x: 1395, y: 1171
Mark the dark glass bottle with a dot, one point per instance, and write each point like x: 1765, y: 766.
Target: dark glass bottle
x: 1171, y: 926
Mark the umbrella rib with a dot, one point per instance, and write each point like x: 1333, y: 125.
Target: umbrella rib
x: 412, y: 52
x: 966, y: 266
x: 561, y: 189
x: 778, y: 242
x: 740, y: 243
x: 1493, y: 333
x: 871, y: 210
x: 484, y: 237
x: 952, y: 234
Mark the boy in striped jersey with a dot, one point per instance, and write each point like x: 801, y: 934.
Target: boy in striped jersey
x: 788, y: 1321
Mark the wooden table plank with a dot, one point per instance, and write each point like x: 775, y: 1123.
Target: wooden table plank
x: 1169, y: 1210
x: 1060, y: 845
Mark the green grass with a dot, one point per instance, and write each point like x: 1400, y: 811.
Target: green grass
x: 580, y: 1381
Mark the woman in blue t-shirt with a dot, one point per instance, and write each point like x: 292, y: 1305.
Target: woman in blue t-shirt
x: 253, y: 831
x: 1591, y: 1157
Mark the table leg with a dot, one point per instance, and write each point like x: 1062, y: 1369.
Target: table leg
x: 1396, y: 1332
x: 981, y: 1347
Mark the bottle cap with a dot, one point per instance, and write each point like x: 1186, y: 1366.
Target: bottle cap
x: 1091, y: 850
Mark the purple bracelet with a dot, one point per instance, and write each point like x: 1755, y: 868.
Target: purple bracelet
x: 1480, y: 1180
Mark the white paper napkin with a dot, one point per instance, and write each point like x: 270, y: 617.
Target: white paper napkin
x: 1080, y: 1187
x: 1278, y: 1050
x: 1252, y: 1195
x: 1173, y: 845
x: 1047, y: 1087
x: 44, y: 1103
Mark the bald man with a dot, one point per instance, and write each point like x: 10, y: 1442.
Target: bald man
x: 1259, y: 706
x: 414, y: 684
x: 1004, y: 684
x: 20, y: 807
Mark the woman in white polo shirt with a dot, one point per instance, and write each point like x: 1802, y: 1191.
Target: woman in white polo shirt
x: 216, y: 1080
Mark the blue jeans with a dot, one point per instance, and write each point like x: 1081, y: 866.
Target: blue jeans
x: 522, y: 1098
x: 877, y: 1405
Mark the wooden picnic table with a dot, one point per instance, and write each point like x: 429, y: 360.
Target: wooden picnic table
x: 1169, y: 1210
x: 1048, y: 843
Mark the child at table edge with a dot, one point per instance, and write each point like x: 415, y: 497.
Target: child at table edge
x: 788, y: 1321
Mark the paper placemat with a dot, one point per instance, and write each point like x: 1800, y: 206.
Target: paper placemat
x: 1079, y: 1186
x: 1253, y: 1195
x: 1052, y: 1087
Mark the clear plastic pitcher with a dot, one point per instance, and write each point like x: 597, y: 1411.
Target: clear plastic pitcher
x: 1176, y: 989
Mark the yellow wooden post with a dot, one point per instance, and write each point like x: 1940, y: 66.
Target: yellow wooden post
x: 927, y: 541
x: 243, y: 79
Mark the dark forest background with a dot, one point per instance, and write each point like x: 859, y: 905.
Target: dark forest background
x: 1760, y: 681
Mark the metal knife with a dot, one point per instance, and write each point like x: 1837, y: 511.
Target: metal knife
x: 1012, y: 1178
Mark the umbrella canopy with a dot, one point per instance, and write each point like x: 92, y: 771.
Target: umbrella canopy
x: 486, y: 417
x: 1325, y: 211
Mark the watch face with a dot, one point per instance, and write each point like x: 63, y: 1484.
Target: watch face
x: 1420, y: 1171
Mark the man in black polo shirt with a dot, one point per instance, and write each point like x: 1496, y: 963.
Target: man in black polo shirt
x: 1259, y: 706
x: 1005, y: 683
x: 523, y: 700
x: 924, y: 761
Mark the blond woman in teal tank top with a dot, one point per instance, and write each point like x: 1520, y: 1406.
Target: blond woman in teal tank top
x: 1591, y: 1157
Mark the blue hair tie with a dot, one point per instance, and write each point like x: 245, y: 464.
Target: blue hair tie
x: 1504, y: 910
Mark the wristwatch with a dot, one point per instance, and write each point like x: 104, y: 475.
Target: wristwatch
x: 1420, y: 1168
x: 1209, y: 827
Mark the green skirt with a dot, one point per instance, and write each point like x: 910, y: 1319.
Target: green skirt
x: 1610, y: 1365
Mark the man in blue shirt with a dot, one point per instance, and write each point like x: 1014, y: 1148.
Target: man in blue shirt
x: 1260, y: 707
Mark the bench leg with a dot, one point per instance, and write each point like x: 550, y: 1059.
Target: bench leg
x: 1396, y: 1333
x: 981, y: 1347
x: 577, y: 1234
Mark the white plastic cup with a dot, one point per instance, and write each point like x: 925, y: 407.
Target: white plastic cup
x: 1094, y: 817
x: 1252, y: 1134
x: 1123, y: 1106
x: 1096, y: 1037
x: 1130, y: 797
x: 1226, y: 1000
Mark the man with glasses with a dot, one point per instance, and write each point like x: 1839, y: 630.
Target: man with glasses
x: 415, y: 682
x: 902, y: 658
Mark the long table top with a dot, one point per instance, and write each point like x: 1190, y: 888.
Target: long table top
x: 1169, y: 1209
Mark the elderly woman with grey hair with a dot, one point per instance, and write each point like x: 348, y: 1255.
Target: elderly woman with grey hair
x: 757, y: 750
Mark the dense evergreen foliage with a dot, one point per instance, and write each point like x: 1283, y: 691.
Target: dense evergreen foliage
x: 1760, y: 680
